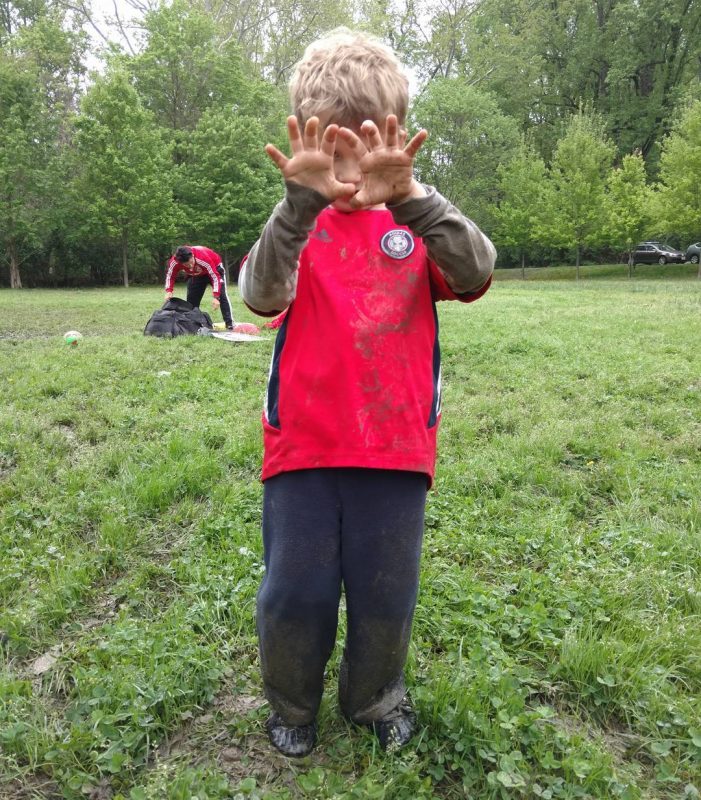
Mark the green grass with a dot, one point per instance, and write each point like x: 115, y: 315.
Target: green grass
x: 557, y: 640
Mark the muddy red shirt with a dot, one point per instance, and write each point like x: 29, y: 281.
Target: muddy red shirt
x: 206, y: 263
x: 355, y: 376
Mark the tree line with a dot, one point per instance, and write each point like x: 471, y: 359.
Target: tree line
x: 565, y: 128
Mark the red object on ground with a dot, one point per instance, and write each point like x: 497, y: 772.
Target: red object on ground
x: 246, y: 327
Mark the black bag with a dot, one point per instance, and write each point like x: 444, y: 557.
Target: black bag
x: 175, y: 318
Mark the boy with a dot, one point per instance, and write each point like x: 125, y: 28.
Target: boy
x: 202, y: 266
x: 359, y: 252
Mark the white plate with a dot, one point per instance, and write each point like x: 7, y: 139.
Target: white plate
x: 231, y: 336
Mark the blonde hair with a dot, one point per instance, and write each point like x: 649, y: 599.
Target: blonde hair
x: 347, y: 77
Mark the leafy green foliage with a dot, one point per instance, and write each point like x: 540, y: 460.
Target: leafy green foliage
x: 273, y: 36
x: 485, y: 76
x: 526, y: 209
x: 26, y: 137
x: 126, y: 180
x: 183, y: 68
x: 630, y: 61
x: 676, y: 203
x: 580, y: 165
x: 469, y: 138
x: 228, y: 184
x: 628, y: 200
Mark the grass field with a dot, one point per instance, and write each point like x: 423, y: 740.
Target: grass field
x: 557, y: 641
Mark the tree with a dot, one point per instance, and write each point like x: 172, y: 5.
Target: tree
x: 190, y: 65
x: 273, y: 35
x: 444, y: 49
x: 468, y: 138
x: 229, y: 185
x: 398, y: 23
x: 653, y: 55
x: 525, y: 209
x: 581, y: 162
x: 39, y: 72
x: 126, y: 182
x: 627, y: 206
x: 184, y: 67
x: 676, y: 202
x: 25, y: 155
x: 629, y: 60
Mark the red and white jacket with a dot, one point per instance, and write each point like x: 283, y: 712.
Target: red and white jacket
x: 206, y: 263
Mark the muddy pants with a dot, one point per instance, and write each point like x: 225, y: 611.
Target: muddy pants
x: 323, y: 529
x: 195, y: 292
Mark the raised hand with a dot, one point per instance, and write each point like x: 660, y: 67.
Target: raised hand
x: 311, y: 163
x: 387, y: 163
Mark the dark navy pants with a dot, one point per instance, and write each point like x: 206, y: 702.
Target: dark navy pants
x: 195, y: 292
x: 324, y: 529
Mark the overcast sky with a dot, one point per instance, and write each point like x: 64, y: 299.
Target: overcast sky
x: 104, y: 14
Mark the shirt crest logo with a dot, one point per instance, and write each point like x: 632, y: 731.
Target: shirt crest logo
x: 397, y: 244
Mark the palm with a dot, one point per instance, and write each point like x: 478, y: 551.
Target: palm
x: 387, y: 163
x: 311, y: 164
x: 387, y: 174
x: 312, y: 169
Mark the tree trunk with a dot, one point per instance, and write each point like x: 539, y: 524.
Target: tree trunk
x: 125, y: 262
x: 52, y: 268
x: 577, y: 262
x: 523, y: 265
x: 630, y: 264
x: 15, y: 279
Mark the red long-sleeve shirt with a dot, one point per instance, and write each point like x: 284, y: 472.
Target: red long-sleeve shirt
x: 355, y: 378
x: 206, y: 263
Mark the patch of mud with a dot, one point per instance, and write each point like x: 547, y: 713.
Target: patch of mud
x: 623, y: 745
x: 30, y: 787
x: 7, y: 466
x: 230, y: 735
x: 45, y: 661
x: 68, y: 432
x: 215, y: 736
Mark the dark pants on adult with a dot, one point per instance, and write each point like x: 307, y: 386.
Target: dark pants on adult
x: 195, y: 292
x: 324, y: 530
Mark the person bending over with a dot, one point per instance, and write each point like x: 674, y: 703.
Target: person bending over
x: 202, y: 267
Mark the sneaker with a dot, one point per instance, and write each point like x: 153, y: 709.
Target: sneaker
x: 396, y: 728
x: 229, y: 327
x: 295, y: 741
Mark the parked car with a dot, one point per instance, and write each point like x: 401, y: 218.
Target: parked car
x: 693, y: 251
x: 657, y: 253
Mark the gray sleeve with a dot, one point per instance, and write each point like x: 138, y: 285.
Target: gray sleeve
x: 457, y: 246
x: 268, y: 279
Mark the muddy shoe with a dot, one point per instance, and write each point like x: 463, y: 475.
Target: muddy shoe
x: 397, y: 727
x: 295, y: 741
